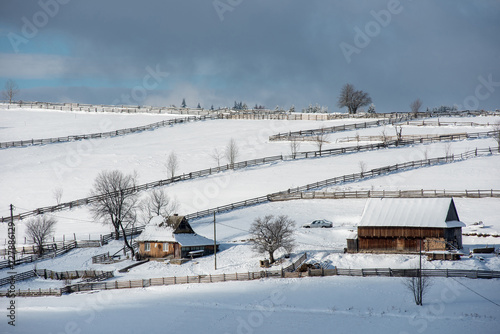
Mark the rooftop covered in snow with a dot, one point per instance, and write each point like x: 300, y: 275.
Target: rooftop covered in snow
x: 410, y: 212
x: 156, y: 231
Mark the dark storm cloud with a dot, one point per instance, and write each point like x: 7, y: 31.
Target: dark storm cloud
x: 276, y: 52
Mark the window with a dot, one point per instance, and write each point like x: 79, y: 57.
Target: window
x: 147, y: 247
x: 165, y: 247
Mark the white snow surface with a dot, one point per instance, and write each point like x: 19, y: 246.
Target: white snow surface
x: 341, y: 304
x: 319, y: 304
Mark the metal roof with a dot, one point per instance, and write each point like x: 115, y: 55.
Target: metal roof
x: 410, y: 212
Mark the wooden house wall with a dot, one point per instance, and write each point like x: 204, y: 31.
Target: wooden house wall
x: 156, y: 250
x: 399, y: 232
x: 173, y: 249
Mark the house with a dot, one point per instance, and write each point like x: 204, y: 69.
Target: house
x: 405, y: 225
x: 173, y: 238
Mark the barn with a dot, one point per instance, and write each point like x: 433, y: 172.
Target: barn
x: 405, y: 225
x: 172, y: 238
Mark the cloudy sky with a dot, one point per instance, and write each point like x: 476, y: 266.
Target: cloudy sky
x: 270, y: 52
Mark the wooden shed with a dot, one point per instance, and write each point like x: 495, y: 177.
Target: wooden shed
x: 172, y: 238
x: 405, y: 225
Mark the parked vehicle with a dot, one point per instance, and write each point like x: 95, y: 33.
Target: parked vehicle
x: 318, y: 223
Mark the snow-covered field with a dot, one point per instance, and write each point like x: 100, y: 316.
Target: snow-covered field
x: 320, y: 305
x: 30, y: 175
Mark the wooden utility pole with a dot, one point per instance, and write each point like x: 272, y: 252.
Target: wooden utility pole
x: 215, y: 246
x: 420, y: 287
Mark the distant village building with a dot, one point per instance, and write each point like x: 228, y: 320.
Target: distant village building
x: 405, y: 225
x: 172, y: 238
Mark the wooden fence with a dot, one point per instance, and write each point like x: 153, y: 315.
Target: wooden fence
x: 296, y: 264
x: 248, y: 276
x: 424, y: 139
x: 387, y: 194
x: 49, y: 274
x: 129, y: 109
x: 202, y: 111
x: 66, y: 247
x: 238, y: 165
x: 345, y: 178
x: 339, y: 128
x: 121, y: 132
x: 441, y: 123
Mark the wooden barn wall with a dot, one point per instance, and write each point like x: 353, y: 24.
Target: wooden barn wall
x: 401, y: 244
x: 399, y: 232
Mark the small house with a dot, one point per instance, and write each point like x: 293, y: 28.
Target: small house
x: 172, y: 238
x: 408, y: 225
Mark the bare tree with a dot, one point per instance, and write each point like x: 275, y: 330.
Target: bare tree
x: 418, y: 286
x: 399, y: 133
x: 232, y: 151
x: 270, y: 234
x: 415, y: 107
x: 352, y: 98
x: 172, y: 164
x: 294, y: 146
x: 10, y: 90
x: 39, y: 229
x: 117, y: 201
x: 321, y: 139
x: 157, y: 203
x: 362, y: 167
x: 384, y: 137
x: 58, y: 193
x: 447, y: 150
x: 217, y: 156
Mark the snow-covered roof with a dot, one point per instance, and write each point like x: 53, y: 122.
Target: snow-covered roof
x: 165, y: 233
x: 192, y: 239
x: 410, y: 212
x: 157, y: 233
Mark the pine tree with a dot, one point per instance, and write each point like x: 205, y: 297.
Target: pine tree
x: 199, y: 106
x: 183, y: 104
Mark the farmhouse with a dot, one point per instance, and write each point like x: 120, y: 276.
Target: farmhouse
x: 172, y: 238
x: 405, y: 225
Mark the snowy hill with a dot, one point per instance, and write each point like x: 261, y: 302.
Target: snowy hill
x: 30, y: 175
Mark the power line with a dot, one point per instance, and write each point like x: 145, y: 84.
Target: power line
x: 57, y: 216
x: 477, y: 293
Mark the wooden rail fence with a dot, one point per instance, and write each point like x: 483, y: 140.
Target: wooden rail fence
x: 66, y: 247
x: 248, y: 276
x: 441, y: 123
x: 121, y: 132
x: 346, y: 178
x: 238, y: 165
x: 424, y: 139
x: 339, y: 128
x: 49, y: 274
x: 387, y: 194
x: 296, y: 264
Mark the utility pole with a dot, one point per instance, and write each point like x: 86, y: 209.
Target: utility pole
x: 420, y: 294
x: 215, y: 246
